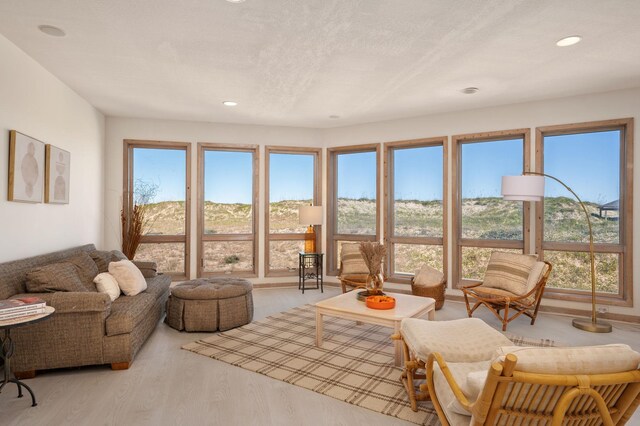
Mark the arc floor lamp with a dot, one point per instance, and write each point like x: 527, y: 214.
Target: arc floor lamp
x: 530, y: 187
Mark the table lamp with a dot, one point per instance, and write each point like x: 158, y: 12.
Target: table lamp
x: 311, y: 216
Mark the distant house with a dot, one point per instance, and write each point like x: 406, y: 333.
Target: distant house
x: 612, y: 206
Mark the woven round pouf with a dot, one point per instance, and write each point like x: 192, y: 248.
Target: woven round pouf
x: 210, y: 304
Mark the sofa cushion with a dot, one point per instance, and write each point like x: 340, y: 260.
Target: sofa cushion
x: 61, y: 276
x: 462, y: 340
x: 352, y: 260
x: 602, y: 359
x: 102, y: 259
x: 509, y: 271
x: 158, y: 286
x: 87, y: 269
x: 126, y: 312
x: 149, y: 269
x: 106, y: 283
x: 129, y: 277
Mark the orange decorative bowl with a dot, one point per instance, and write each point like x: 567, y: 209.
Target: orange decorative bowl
x: 380, y: 302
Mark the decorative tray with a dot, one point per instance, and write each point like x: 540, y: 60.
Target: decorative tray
x: 381, y: 302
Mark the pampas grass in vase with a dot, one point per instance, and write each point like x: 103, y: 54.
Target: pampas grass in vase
x: 135, y: 225
x: 373, y: 254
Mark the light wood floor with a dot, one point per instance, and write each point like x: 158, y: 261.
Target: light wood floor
x: 169, y: 386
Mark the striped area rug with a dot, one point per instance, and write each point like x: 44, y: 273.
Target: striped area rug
x: 354, y: 365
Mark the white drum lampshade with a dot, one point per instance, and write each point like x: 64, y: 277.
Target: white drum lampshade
x: 523, y: 188
x: 310, y: 215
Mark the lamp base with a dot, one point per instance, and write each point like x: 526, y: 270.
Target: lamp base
x: 310, y: 240
x: 594, y: 327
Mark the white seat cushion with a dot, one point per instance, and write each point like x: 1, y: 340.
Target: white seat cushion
x: 463, y: 340
x: 460, y: 372
x: 602, y: 359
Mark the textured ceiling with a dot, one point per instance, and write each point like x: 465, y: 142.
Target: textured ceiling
x: 296, y: 62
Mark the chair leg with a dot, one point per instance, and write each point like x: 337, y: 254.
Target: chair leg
x: 466, y: 301
x: 505, y: 321
x: 409, y: 374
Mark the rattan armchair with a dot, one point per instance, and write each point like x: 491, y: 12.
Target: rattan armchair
x: 512, y: 304
x: 511, y: 397
x: 357, y: 274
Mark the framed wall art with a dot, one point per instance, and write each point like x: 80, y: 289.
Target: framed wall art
x: 56, y: 176
x: 26, y: 168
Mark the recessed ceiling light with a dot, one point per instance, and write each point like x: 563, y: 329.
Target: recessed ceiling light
x: 568, y: 41
x: 334, y: 117
x: 229, y: 103
x: 235, y: 1
x: 51, y: 30
x: 469, y: 90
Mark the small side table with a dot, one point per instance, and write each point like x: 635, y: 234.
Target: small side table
x: 310, y: 268
x: 7, y: 347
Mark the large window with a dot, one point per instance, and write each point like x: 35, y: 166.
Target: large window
x: 157, y: 175
x: 482, y: 221
x: 415, y: 209
x: 292, y: 180
x: 353, y: 206
x: 228, y: 192
x: 595, y: 160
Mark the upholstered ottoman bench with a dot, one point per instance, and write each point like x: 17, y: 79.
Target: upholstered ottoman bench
x: 210, y: 304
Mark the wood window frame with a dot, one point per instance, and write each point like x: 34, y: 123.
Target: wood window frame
x: 389, y: 200
x: 317, y: 196
x: 253, y: 237
x: 456, y: 215
x: 624, y: 248
x: 332, y: 236
x: 127, y: 196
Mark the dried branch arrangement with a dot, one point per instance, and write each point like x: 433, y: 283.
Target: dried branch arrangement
x: 133, y: 229
x: 135, y: 225
x: 373, y: 255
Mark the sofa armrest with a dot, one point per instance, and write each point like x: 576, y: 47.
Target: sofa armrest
x: 74, y: 302
x: 148, y: 269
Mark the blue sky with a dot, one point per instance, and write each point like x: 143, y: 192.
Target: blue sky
x: 357, y: 175
x: 418, y: 173
x: 588, y: 163
x: 484, y: 164
x: 291, y: 177
x: 228, y: 176
x: 165, y: 168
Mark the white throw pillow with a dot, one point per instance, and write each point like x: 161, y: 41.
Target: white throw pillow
x: 106, y: 283
x: 129, y: 277
x: 428, y: 277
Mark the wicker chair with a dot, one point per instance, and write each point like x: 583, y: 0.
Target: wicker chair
x: 497, y: 300
x: 524, y: 395
x: 357, y: 278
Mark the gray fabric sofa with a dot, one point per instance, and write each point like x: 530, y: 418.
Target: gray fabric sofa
x: 87, y: 328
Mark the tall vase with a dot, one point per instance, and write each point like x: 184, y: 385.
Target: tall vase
x: 374, y: 284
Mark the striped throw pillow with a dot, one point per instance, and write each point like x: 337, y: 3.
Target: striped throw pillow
x: 352, y: 261
x: 509, y: 271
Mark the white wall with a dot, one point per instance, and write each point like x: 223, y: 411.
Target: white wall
x: 118, y: 129
x: 620, y: 104
x: 34, y: 102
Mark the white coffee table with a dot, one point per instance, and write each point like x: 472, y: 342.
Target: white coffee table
x: 347, y: 306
